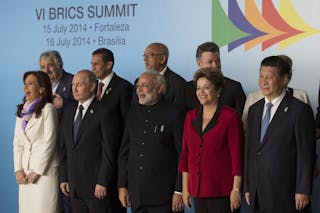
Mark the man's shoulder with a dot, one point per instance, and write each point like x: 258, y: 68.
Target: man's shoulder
x: 173, y: 75
x: 66, y: 76
x: 121, y: 82
x: 232, y: 82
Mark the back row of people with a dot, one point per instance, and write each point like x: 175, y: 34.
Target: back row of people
x: 92, y: 127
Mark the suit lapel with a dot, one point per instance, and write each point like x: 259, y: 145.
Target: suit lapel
x: 279, y: 115
x: 257, y: 122
x: 31, y: 122
x: 109, y: 89
x: 62, y: 86
x: 86, y: 119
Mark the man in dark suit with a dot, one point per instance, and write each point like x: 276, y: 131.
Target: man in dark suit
x: 208, y: 55
x: 280, y: 146
x: 156, y: 58
x: 51, y: 63
x: 149, y: 154
x: 87, y: 153
x: 114, y: 94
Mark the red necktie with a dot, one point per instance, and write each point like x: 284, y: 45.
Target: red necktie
x: 99, y: 96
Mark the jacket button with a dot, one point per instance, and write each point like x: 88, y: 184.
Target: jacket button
x: 198, y: 172
x: 141, y: 155
x: 259, y: 153
x: 140, y: 167
x: 200, y: 145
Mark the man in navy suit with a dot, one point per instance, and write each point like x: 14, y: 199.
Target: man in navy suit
x: 51, y: 63
x: 232, y: 95
x: 86, y: 169
x: 280, y: 146
x: 114, y: 94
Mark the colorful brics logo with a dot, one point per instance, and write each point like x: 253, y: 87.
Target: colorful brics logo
x: 253, y: 27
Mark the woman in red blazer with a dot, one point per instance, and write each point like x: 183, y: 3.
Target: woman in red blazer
x: 212, y: 155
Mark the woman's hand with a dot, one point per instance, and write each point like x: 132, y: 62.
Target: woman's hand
x: 187, y: 199
x: 235, y: 199
x: 32, y: 177
x: 21, y: 177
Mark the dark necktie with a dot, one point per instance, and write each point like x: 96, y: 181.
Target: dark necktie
x: 77, y: 123
x: 99, y: 95
x: 265, y: 120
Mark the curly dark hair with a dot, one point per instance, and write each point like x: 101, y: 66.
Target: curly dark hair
x: 44, y: 82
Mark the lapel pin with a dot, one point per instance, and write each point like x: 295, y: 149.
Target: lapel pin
x: 286, y: 109
x: 64, y: 89
x: 91, y: 111
x: 108, y: 90
x: 162, y: 128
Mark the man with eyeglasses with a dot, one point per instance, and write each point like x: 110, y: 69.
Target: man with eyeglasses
x: 156, y: 58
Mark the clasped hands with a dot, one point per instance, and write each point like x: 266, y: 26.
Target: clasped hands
x: 22, y: 178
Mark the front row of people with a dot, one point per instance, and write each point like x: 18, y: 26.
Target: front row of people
x: 275, y: 164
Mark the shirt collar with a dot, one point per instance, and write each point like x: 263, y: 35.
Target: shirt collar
x: 162, y: 72
x: 107, y: 80
x: 275, y: 102
x: 87, y: 103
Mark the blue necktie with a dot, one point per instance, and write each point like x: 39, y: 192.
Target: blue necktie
x: 265, y: 120
x: 77, y: 123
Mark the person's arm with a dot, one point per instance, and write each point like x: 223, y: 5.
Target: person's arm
x: 236, y: 147
x: 105, y: 172
x: 47, y: 147
x: 235, y: 195
x: 305, y: 142
x: 186, y: 197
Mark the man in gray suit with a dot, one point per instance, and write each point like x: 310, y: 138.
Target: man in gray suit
x: 280, y: 146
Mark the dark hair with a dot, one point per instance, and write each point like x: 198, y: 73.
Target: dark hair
x: 207, y: 47
x: 288, y: 60
x: 44, y: 82
x: 275, y: 61
x: 214, y: 75
x: 54, y: 55
x: 107, y: 54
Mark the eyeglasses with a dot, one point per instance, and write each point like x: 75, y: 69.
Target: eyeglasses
x: 151, y: 55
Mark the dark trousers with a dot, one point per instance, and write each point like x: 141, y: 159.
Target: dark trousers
x: 213, y: 205
x: 166, y: 208
x: 64, y: 203
x: 257, y: 209
x: 116, y: 205
x: 91, y: 205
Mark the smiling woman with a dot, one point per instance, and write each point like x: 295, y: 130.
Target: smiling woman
x: 35, y: 159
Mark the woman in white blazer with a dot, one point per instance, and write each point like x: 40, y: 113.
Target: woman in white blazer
x: 35, y: 156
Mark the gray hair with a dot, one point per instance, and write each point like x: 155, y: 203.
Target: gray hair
x: 54, y: 55
x: 157, y: 78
